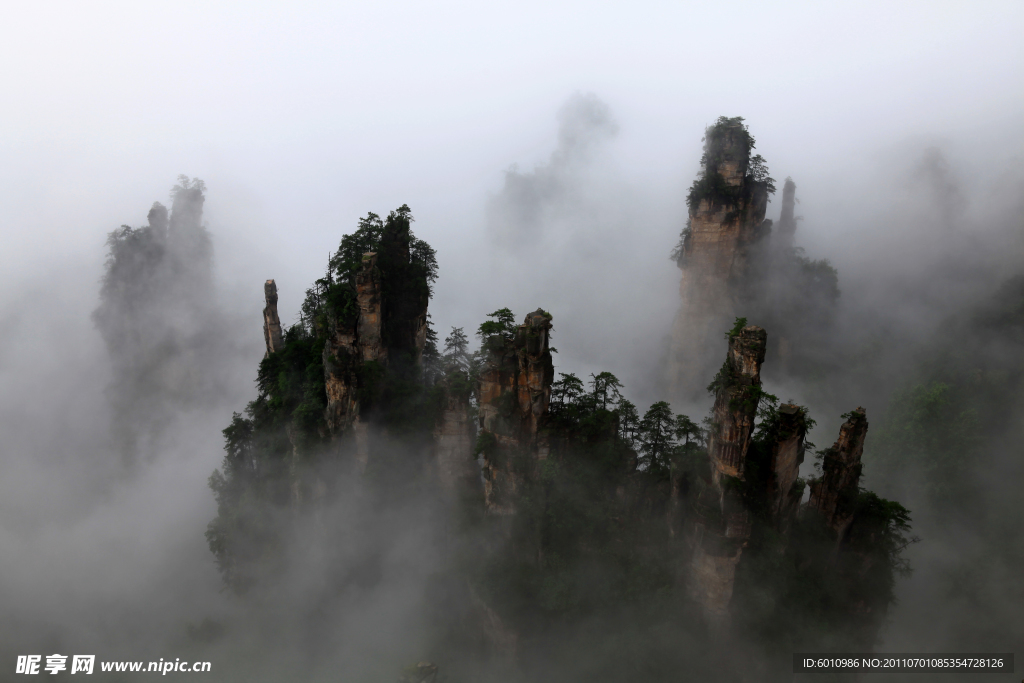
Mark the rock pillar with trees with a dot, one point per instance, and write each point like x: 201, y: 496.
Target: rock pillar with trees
x: 727, y: 205
x: 722, y: 522
x: 339, y: 391
x: 514, y: 388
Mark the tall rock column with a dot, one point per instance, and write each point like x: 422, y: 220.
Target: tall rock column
x: 726, y: 218
x: 722, y: 522
x: 736, y: 397
x: 271, y: 321
x: 514, y: 390
x: 833, y: 493
x: 275, y: 342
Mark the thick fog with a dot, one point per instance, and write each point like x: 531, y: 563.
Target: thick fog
x: 545, y: 150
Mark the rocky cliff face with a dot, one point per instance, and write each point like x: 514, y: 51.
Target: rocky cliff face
x: 514, y: 389
x: 726, y: 218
